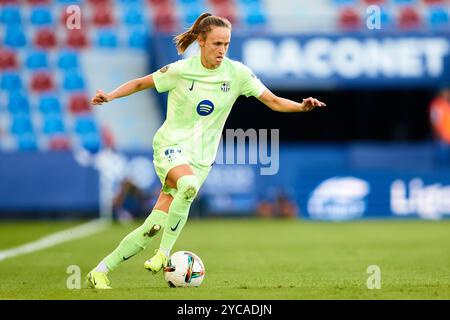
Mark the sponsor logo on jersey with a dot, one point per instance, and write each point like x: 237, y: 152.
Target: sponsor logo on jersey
x: 205, y: 107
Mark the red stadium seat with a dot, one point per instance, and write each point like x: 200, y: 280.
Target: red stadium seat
x: 45, y: 39
x: 59, y: 143
x: 8, y: 60
x: 107, y: 138
x: 349, y: 19
x: 376, y: 2
x: 79, y: 103
x: 3, y: 2
x: 103, y: 16
x: 165, y: 20
x: 221, y: 2
x: 434, y: 2
x: 409, y: 18
x: 227, y: 11
x: 99, y: 2
x: 42, y: 81
x: 38, y: 2
x: 77, y: 39
x: 158, y: 3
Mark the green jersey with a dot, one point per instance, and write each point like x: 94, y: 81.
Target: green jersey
x: 199, y: 102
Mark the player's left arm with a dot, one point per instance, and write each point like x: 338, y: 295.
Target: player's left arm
x: 285, y: 105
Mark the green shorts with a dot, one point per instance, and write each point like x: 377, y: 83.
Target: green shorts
x: 166, y: 158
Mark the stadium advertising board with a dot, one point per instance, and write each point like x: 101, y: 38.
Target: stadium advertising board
x: 319, y: 181
x: 425, y: 196
x: 314, y: 61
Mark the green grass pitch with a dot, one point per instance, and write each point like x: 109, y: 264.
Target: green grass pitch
x: 246, y: 259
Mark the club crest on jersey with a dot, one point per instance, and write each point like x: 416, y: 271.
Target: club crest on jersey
x: 205, y: 107
x: 164, y: 69
x: 225, y: 87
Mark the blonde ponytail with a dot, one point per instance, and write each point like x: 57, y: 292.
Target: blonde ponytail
x: 201, y: 26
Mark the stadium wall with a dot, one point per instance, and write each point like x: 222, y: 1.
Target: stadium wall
x: 326, y: 182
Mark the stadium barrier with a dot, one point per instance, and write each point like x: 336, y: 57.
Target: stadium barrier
x: 326, y: 182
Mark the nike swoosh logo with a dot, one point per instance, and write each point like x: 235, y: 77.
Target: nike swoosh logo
x: 126, y: 258
x: 175, y: 228
x: 192, y: 86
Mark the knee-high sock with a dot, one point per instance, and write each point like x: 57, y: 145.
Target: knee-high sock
x: 187, y: 188
x: 137, y: 240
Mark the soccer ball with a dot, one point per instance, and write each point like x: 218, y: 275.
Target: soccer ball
x: 185, y: 269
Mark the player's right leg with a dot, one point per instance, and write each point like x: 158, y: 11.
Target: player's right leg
x: 132, y: 244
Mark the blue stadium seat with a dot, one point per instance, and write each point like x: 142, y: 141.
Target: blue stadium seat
x: 41, y: 16
x: 15, y: 37
x: 84, y: 125
x: 387, y: 19
x: 69, y: 2
x: 133, y: 16
x: 193, y: 2
x: 68, y: 60
x: 53, y: 124
x: 107, y: 38
x: 91, y: 142
x: 21, y: 124
x: 345, y: 2
x: 49, y: 104
x: 10, y: 15
x: 250, y: 2
x: 18, y: 102
x: 255, y: 15
x: 138, y: 38
x: 131, y: 2
x: 37, y: 60
x: 438, y: 17
x: 11, y: 81
x: 73, y: 80
x: 404, y: 2
x: 27, y: 142
x: 190, y: 13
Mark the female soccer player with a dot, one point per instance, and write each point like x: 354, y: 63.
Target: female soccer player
x: 202, y: 90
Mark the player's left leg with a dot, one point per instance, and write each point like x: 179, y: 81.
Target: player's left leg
x: 187, y: 185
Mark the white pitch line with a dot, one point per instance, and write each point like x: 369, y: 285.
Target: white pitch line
x: 51, y: 240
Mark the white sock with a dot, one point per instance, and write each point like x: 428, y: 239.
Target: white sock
x: 165, y: 251
x: 102, y: 267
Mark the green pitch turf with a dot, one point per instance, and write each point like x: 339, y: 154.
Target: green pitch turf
x: 246, y: 259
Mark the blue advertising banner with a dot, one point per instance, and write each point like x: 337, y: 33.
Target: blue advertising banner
x: 318, y: 182
x: 319, y: 61
x: 42, y: 182
x: 338, y: 183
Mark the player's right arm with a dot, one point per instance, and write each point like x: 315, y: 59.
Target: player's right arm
x: 162, y: 80
x: 124, y: 90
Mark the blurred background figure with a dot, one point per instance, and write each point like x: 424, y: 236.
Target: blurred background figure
x: 284, y: 206
x: 440, y: 121
x: 131, y: 202
x: 277, y: 203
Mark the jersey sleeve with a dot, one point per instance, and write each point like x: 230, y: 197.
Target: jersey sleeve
x: 250, y: 85
x: 166, y: 78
